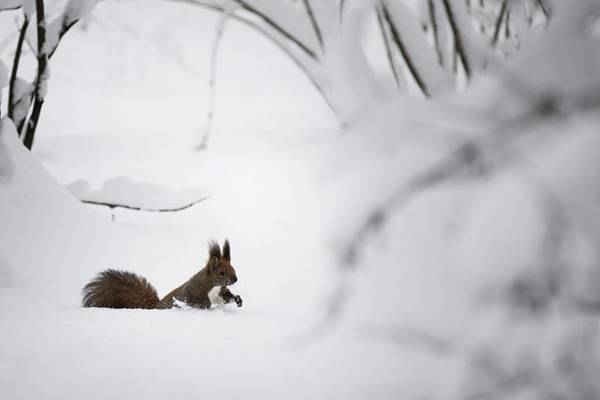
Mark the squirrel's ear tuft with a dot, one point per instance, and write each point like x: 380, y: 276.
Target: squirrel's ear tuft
x: 214, y: 250
x: 226, y: 251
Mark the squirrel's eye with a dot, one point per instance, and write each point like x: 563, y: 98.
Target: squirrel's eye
x: 222, y: 273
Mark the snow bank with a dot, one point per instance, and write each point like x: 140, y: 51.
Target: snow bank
x: 41, y: 235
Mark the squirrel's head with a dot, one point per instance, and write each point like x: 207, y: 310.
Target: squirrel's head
x: 219, y: 265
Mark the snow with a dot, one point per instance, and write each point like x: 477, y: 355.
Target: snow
x: 53, y: 29
x: 444, y: 301
x: 3, y: 75
x: 6, y: 159
x: 22, y: 98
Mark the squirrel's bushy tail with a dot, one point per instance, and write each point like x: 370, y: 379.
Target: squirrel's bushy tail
x: 119, y: 289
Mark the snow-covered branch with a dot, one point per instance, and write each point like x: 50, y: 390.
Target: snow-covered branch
x: 41, y: 81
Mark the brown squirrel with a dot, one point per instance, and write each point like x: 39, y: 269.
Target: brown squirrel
x: 122, y: 289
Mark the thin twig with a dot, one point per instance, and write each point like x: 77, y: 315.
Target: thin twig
x: 10, y: 8
x: 294, y: 56
x: 388, y: 48
x: 220, y: 28
x: 498, y: 25
x: 277, y: 27
x: 543, y: 7
x: 15, y: 68
x: 136, y: 208
x: 315, y: 24
x: 436, y: 31
x: 65, y: 27
x: 507, y: 25
x: 402, y: 49
x: 458, y: 41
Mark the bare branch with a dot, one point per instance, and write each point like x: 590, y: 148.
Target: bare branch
x: 499, y: 19
x: 402, y: 49
x: 15, y: 68
x: 458, y: 41
x: 65, y: 27
x: 136, y: 208
x: 220, y: 28
x: 313, y: 21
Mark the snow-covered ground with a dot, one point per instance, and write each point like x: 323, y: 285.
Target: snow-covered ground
x: 431, y: 310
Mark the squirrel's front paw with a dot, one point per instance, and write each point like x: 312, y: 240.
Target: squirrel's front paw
x: 238, y: 300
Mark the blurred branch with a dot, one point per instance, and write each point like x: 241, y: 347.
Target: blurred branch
x: 313, y: 21
x: 15, y: 68
x: 451, y: 166
x: 136, y: 208
x: 473, y: 158
x: 412, y: 338
x: 300, y: 62
x: 498, y: 24
x: 276, y: 26
x: 544, y: 8
x: 388, y: 49
x: 435, y: 31
x: 458, y: 41
x: 387, y: 17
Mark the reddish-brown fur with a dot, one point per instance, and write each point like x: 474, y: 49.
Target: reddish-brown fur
x: 122, y: 289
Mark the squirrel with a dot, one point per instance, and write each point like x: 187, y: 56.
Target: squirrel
x: 121, y: 289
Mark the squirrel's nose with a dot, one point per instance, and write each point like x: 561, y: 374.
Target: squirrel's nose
x: 233, y: 280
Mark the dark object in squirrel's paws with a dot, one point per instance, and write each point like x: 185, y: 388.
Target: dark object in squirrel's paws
x: 238, y: 300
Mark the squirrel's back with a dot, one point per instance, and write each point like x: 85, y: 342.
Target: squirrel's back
x: 119, y: 289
